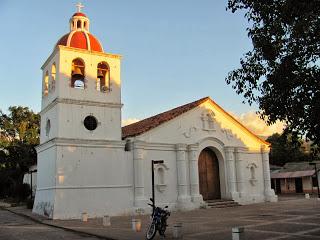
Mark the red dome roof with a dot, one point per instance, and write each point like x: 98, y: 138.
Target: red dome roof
x: 81, y: 39
x: 79, y: 14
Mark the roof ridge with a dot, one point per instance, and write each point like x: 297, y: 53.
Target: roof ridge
x: 239, y: 122
x: 205, y: 98
x: 146, y: 124
x: 149, y: 123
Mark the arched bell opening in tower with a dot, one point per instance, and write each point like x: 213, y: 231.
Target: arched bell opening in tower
x: 103, y: 77
x: 53, y: 76
x: 46, y: 84
x: 78, y: 74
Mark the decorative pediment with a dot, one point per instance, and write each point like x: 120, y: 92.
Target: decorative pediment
x: 228, y: 133
x: 190, y: 132
x: 208, y: 120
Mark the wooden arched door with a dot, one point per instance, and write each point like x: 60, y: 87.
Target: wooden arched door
x: 209, y: 179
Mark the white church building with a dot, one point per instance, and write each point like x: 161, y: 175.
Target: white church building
x: 88, y: 163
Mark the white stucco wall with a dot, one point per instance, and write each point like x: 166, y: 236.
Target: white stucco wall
x: 189, y: 129
x: 168, y: 193
x: 46, y: 180
x: 97, y: 174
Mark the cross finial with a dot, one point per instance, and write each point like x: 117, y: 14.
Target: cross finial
x: 79, y: 6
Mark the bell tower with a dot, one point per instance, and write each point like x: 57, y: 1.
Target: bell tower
x: 81, y: 87
x: 80, y: 124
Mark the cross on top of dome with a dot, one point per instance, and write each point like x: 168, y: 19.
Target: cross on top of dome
x: 79, y: 6
x: 79, y: 35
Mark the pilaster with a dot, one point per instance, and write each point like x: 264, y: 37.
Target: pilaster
x: 239, y: 160
x: 182, y: 169
x: 194, y: 174
x: 231, y: 173
x: 268, y: 192
x: 138, y: 165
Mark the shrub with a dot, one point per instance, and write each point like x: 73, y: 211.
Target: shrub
x: 22, y: 191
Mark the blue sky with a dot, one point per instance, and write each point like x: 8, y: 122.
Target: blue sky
x: 174, y: 52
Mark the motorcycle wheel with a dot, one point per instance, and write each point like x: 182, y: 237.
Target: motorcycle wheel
x: 151, y: 231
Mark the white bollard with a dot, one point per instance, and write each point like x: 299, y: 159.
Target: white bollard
x: 136, y: 224
x: 177, y: 231
x: 238, y: 233
x: 84, y: 217
x: 307, y: 196
x: 106, y: 221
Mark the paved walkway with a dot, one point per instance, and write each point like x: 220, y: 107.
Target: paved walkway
x: 15, y: 227
x: 290, y: 218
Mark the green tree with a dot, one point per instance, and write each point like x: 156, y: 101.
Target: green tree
x: 281, y: 73
x: 20, y: 125
x: 19, y: 134
x: 286, y: 148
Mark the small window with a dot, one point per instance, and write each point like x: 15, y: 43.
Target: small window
x: 85, y: 25
x: 77, y: 74
x: 78, y: 24
x: 46, y: 84
x: 90, y: 123
x: 48, y: 127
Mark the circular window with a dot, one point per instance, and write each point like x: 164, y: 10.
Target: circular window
x: 90, y: 123
x: 48, y: 127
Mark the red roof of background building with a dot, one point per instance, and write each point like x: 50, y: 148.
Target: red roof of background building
x: 296, y: 174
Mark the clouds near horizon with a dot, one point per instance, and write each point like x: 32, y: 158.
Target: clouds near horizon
x: 255, y: 124
x: 129, y: 121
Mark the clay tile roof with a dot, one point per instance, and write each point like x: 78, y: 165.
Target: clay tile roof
x: 147, y: 124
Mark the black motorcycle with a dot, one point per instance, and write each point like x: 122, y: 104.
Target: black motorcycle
x: 158, y: 222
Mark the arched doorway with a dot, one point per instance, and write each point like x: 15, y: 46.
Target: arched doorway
x: 209, y: 179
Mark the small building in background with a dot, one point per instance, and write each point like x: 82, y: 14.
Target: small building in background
x: 294, y: 177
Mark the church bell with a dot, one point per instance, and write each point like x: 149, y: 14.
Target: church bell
x: 77, y: 73
x: 100, y: 74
